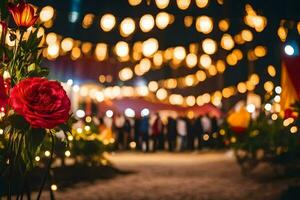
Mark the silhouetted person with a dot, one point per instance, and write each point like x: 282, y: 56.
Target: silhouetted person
x: 157, y: 132
x: 190, y: 133
x: 198, y: 131
x: 171, y: 133
x: 144, y: 130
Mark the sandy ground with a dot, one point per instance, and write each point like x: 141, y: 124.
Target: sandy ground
x: 186, y: 176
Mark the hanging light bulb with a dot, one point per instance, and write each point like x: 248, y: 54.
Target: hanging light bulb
x: 107, y: 22
x: 161, y: 4
x: 150, y: 46
x: 162, y: 20
x: 122, y: 49
x: 183, y: 4
x: 204, y: 24
x: 127, y: 27
x: 209, y: 46
x: 146, y: 23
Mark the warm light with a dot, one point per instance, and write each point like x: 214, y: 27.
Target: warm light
x: 278, y: 90
x: 109, y: 113
x: 223, y: 25
x: 37, y: 158
x: 179, y: 53
x: 227, y: 42
x: 204, y: 24
x: 134, y: 2
x: 107, y: 22
x: 188, y: 21
x: 153, y: 86
x: 80, y: 113
x: 161, y: 94
x: 176, y: 99
x: 127, y: 27
x: 200, y: 75
x: 142, y: 91
x: 53, y: 50
x: 47, y: 153
x: 67, y: 44
x: 268, y: 86
x: 125, y: 74
x: 122, y: 49
x: 282, y: 33
x: 294, y: 129
x: 53, y: 187
x: 189, y: 80
x: 158, y: 59
x: 250, y: 108
x: 205, y: 60
x: 88, y: 20
x: 147, y: 23
x: 271, y: 70
x: 67, y: 153
x: 260, y: 51
x: 201, y: 3
x: 247, y: 35
x: 101, y: 51
x: 191, y: 60
x: 268, y: 107
x: 162, y: 20
x: 150, y: 46
x: 129, y: 112
x: 86, y: 47
x: 209, y: 46
x: 145, y: 112
x: 254, y: 79
x: 220, y: 64
x: 183, y: 4
x: 161, y: 4
x: 231, y: 59
x: 76, y: 53
x: 242, y: 87
x: 277, y: 99
x: 190, y: 100
x: 46, y: 13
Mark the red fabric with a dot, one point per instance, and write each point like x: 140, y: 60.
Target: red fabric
x: 293, y: 68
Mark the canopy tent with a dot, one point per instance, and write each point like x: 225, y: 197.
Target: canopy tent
x: 138, y: 104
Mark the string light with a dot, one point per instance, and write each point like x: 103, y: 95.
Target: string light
x: 46, y: 13
x: 107, y: 22
x: 201, y: 3
x: 122, y: 49
x: 147, y: 23
x: 204, y: 24
x: 183, y: 4
x: 162, y: 20
x: 162, y: 4
x: 209, y: 46
x: 127, y: 27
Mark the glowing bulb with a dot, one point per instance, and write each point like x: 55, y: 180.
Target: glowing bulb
x: 107, y: 22
x: 161, y: 4
x: 146, y: 23
x: 149, y: 47
x: 162, y: 20
x: 250, y: 108
x: 122, y: 49
x: 289, y: 50
x: 204, y: 24
x: 127, y: 27
x: 209, y: 46
x: 46, y: 13
x: 109, y: 113
x: 129, y: 112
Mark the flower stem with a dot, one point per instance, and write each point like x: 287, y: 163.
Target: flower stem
x: 47, y: 168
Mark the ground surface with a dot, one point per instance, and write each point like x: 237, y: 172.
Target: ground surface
x: 187, y: 176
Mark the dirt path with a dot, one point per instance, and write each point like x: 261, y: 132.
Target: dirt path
x: 163, y: 176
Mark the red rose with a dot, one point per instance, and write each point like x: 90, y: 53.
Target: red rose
x: 3, y: 96
x: 43, y: 103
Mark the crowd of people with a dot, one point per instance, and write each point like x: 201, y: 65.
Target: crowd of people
x: 151, y: 133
